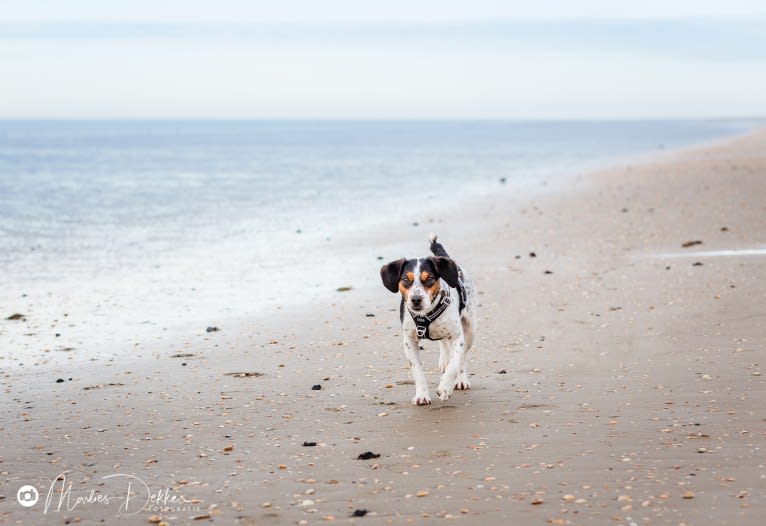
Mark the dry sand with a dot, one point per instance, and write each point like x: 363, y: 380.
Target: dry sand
x: 621, y: 388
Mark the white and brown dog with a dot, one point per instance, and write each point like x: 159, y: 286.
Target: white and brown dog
x: 438, y: 303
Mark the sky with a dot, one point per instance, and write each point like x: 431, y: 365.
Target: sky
x: 353, y: 59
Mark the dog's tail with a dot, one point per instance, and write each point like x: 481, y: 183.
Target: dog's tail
x: 437, y: 248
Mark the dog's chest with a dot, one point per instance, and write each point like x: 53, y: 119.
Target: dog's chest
x: 443, y: 327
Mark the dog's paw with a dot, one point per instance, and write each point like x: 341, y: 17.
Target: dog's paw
x: 421, y: 399
x: 462, y: 385
x: 443, y: 393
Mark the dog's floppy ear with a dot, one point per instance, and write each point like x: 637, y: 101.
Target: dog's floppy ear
x: 446, y: 268
x: 391, y: 273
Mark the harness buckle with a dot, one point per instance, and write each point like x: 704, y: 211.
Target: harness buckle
x: 421, y: 330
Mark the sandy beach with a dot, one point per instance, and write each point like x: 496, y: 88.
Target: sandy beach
x: 617, y: 377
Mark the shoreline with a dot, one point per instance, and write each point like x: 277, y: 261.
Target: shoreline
x: 352, y: 246
x: 618, y: 373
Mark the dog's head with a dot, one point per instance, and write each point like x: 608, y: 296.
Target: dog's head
x: 419, y: 280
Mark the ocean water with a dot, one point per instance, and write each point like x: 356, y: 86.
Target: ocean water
x: 124, y: 191
x: 129, y: 208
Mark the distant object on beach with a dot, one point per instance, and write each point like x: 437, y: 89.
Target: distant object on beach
x: 691, y: 243
x: 244, y: 374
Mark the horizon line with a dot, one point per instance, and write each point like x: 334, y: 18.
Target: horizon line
x: 394, y: 119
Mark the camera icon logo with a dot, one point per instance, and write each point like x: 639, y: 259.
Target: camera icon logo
x: 27, y: 496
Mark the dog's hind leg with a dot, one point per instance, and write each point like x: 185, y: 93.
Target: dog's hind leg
x: 412, y: 351
x: 443, y: 356
x: 456, y: 362
x: 462, y: 383
x: 467, y: 324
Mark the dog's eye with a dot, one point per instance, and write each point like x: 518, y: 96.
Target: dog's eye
x: 406, y: 280
x: 429, y: 281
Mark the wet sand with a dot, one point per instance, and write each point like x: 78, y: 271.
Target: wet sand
x: 609, y: 385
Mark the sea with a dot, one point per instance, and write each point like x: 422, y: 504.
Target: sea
x: 153, y: 210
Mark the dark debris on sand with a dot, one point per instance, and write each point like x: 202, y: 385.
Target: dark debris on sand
x: 244, y: 374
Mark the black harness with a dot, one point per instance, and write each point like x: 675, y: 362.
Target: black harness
x: 423, y: 321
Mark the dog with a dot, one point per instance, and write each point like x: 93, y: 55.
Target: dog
x: 438, y: 303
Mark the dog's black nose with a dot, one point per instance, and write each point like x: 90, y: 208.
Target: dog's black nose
x: 417, y: 301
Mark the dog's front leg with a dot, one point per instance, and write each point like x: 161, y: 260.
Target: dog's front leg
x: 447, y: 382
x: 412, y: 351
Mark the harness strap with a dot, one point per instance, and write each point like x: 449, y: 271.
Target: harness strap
x: 423, y: 321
